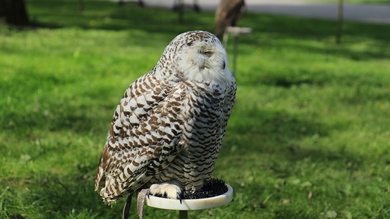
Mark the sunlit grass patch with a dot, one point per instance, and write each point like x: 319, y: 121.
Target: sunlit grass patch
x: 308, y: 136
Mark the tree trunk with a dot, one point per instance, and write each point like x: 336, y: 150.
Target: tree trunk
x: 227, y: 14
x: 14, y: 12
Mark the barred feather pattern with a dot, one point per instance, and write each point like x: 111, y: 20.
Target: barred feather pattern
x: 202, y: 136
x: 170, y: 123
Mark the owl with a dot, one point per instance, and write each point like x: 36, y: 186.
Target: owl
x: 167, y: 130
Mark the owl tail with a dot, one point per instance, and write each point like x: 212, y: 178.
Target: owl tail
x: 126, y: 208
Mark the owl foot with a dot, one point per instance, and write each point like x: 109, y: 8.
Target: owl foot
x: 170, y: 189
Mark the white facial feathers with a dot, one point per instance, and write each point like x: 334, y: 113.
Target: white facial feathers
x: 203, y: 61
x: 195, y: 56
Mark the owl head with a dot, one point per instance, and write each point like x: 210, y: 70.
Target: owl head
x: 196, y: 56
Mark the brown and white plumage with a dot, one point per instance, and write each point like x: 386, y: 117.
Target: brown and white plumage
x: 169, y: 124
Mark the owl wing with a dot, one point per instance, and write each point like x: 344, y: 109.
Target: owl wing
x: 229, y: 101
x: 143, y: 137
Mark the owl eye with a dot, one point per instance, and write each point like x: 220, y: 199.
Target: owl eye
x: 223, y: 65
x: 207, y: 53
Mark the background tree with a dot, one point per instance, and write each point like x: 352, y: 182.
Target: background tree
x: 227, y: 14
x: 14, y: 12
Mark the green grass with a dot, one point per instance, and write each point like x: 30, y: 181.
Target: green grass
x: 308, y: 137
x: 351, y: 1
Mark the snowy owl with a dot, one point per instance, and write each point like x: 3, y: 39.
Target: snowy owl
x: 167, y: 130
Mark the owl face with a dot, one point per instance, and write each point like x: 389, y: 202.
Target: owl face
x: 197, y: 56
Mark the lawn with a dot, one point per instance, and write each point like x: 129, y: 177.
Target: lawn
x: 308, y: 136
x: 351, y: 1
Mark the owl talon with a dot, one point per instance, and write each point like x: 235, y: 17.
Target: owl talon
x: 179, y: 196
x: 171, y: 189
x: 148, y: 194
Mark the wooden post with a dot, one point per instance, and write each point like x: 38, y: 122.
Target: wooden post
x: 181, y: 11
x: 80, y: 5
x: 235, y: 55
x: 339, y: 22
x: 183, y: 214
x: 235, y: 32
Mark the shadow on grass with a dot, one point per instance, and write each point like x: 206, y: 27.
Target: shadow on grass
x: 110, y: 16
x: 54, y: 196
x: 276, y: 134
x: 275, y: 123
x: 266, y: 28
x: 25, y: 125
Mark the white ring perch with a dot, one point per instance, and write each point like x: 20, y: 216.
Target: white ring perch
x: 190, y: 204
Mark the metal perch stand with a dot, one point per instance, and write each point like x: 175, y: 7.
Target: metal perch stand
x: 183, y: 214
x: 236, y: 32
x: 190, y: 204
